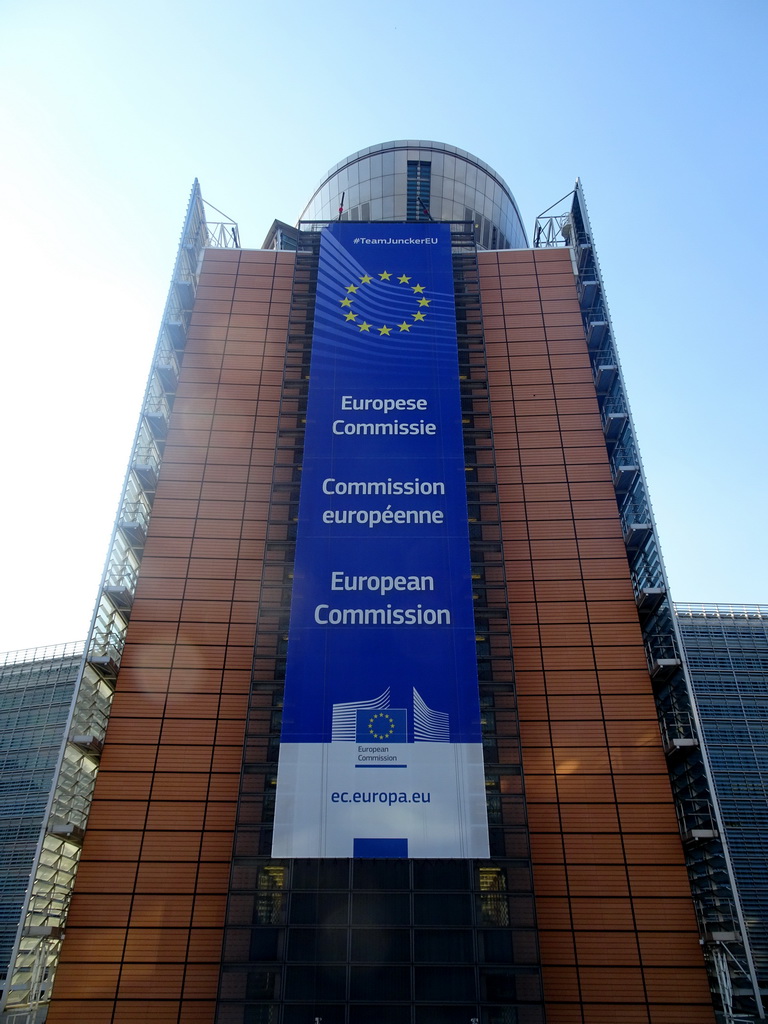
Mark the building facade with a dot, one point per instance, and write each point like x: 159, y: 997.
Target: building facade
x: 578, y: 908
x: 726, y: 647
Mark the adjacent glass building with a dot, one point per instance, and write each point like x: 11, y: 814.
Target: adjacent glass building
x: 726, y: 647
x: 36, y: 689
x: 582, y: 912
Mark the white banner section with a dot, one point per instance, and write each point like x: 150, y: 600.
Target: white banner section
x: 373, y: 800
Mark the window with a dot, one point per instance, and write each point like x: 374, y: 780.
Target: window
x: 418, y: 190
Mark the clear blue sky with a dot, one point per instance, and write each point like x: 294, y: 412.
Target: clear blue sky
x: 112, y: 110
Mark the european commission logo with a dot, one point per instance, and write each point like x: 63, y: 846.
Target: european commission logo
x: 382, y: 726
x: 385, y: 304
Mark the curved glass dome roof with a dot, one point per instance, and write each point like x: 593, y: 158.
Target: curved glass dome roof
x: 418, y: 180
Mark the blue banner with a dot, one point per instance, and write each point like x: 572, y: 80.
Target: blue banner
x: 381, y: 698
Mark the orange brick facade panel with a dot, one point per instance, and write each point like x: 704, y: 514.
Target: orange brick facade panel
x: 145, y: 928
x: 617, y: 931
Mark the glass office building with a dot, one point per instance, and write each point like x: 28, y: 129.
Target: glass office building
x: 726, y: 647
x: 36, y: 689
x: 573, y: 902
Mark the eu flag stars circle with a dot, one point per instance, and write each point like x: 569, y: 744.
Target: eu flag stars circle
x: 380, y: 298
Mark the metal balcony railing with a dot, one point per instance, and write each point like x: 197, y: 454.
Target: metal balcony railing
x: 696, y: 818
x: 146, y: 466
x: 157, y: 411
x: 663, y: 657
x: 661, y: 647
x: 134, y: 513
x: 615, y: 417
x: 122, y: 575
x: 678, y: 733
x: 635, y: 520
x: 106, y: 645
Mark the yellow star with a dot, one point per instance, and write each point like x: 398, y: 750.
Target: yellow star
x: 384, y: 330
x: 418, y: 316
x: 404, y: 279
x: 404, y: 326
x: 364, y: 326
x: 346, y: 302
x: 365, y: 279
x: 351, y: 287
x: 424, y: 302
x: 350, y: 316
x: 416, y: 288
x: 385, y: 275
